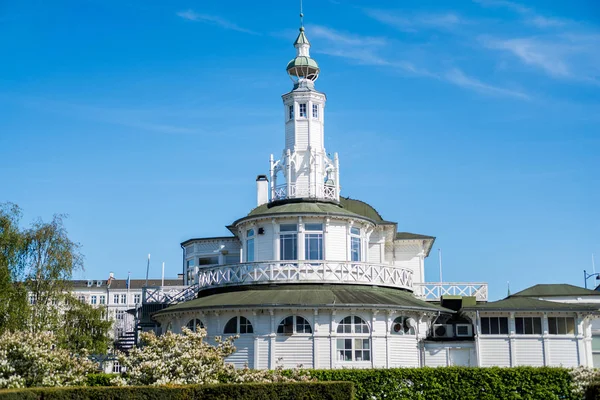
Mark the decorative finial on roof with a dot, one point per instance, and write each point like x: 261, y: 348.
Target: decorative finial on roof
x: 301, y: 18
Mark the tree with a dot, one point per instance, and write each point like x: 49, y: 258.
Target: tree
x: 85, y: 327
x: 13, y: 294
x: 50, y: 258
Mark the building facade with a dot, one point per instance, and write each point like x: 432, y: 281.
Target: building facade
x: 310, y: 277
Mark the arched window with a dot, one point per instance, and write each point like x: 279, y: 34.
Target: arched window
x: 353, y: 324
x: 351, y: 348
x: 195, y: 324
x: 238, y: 325
x: 403, y: 326
x: 293, y: 324
x: 169, y: 327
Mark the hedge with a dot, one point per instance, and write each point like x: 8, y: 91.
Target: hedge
x: 100, y: 379
x: 593, y: 391
x: 247, y: 391
x: 445, y: 383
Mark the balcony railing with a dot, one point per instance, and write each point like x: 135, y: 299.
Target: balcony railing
x: 312, y: 271
x: 168, y: 294
x: 432, y: 291
x: 323, y: 191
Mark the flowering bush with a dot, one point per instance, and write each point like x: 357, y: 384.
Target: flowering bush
x: 582, y: 378
x: 28, y: 360
x: 183, y: 359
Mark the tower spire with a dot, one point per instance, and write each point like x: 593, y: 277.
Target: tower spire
x: 301, y: 17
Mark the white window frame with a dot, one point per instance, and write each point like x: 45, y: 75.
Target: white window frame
x: 250, y: 252
x: 355, y: 236
x: 291, y: 112
x: 487, y: 320
x: 313, y: 231
x: 300, y: 326
x: 353, y: 331
x: 102, y: 299
x: 115, y: 299
x: 555, y: 325
x: 302, y: 110
x: 315, y: 111
x: 285, y: 235
x: 123, y: 298
x: 533, y: 325
x: 94, y: 299
x: 246, y: 324
x: 194, y: 324
x: 137, y: 298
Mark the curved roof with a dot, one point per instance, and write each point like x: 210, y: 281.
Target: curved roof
x: 302, y: 61
x: 361, y: 208
x: 339, y: 296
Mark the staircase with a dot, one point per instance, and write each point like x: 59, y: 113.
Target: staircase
x: 125, y: 342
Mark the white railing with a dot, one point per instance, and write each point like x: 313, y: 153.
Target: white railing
x: 432, y: 291
x: 328, y: 192
x: 305, y: 272
x: 167, y: 294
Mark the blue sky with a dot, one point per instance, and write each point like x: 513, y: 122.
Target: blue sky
x: 477, y: 122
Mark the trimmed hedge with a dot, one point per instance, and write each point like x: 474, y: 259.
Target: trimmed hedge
x: 100, y: 379
x: 593, y: 391
x: 465, y: 383
x: 247, y: 391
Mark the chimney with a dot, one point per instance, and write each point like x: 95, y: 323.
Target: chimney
x: 262, y: 190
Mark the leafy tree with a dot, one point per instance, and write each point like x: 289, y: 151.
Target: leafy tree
x: 13, y: 295
x: 85, y: 327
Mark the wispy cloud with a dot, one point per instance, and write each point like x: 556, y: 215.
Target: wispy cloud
x: 191, y: 15
x: 504, y: 3
x: 414, y: 23
x: 529, y: 15
x: 458, y: 77
x: 566, y: 56
x: 546, y: 22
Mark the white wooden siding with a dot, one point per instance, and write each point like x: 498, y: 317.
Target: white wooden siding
x: 263, y: 353
x: 324, y: 353
x: 290, y: 137
x: 301, y: 134
x: 563, y: 352
x: 378, y: 352
x: 529, y: 351
x: 404, y: 351
x: 264, y: 243
x: 291, y: 351
x: 494, y: 352
x: 435, y: 356
x: 336, y: 249
x: 374, y: 253
x: 244, y: 354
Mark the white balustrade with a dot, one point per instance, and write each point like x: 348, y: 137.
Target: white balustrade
x: 312, y: 271
x: 168, y: 294
x: 328, y: 192
x: 432, y: 291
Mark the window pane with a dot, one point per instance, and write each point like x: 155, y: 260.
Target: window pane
x: 528, y: 323
x: 355, y: 231
x: 519, y: 326
x: 231, y: 326
x: 302, y: 110
x: 503, y: 325
x: 537, y: 326
x: 355, y: 248
x: 561, y: 328
x: 250, y: 250
x: 291, y: 112
x: 288, y: 227
x: 287, y: 244
x: 250, y: 233
x: 315, y: 110
x: 313, y: 227
x: 313, y: 246
x: 485, y: 326
x: 571, y: 326
x: 494, y: 326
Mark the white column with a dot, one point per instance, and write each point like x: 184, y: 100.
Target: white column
x: 580, y: 335
x: 477, y: 338
x: 388, y: 327
x: 275, y: 240
x: 325, y: 234
x: 272, y: 340
x: 256, y: 344
x: 300, y: 239
x: 315, y: 342
x: 332, y: 340
x: 511, y: 330
x: 545, y: 343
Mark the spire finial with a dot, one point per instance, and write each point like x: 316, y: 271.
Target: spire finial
x: 301, y: 17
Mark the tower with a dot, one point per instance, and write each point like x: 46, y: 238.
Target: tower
x: 308, y: 172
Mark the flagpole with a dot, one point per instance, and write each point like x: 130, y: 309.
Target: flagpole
x: 147, y: 269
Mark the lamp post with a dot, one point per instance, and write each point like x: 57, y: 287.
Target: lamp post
x: 586, y: 276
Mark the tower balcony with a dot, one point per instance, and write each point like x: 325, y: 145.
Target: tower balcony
x: 433, y: 291
x: 297, y: 191
x: 313, y: 271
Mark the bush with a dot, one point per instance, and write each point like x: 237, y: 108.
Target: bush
x: 249, y: 391
x: 593, y: 391
x: 465, y: 383
x: 100, y: 379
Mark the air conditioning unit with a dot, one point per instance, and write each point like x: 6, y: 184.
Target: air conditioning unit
x: 464, y: 330
x: 443, y: 331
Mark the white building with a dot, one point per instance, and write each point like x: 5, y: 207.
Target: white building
x: 314, y: 278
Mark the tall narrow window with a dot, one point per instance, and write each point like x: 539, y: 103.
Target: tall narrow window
x: 137, y: 298
x: 313, y: 241
x: 123, y: 299
x: 288, y: 242
x: 102, y: 299
x: 94, y: 299
x: 353, y: 348
x: 315, y: 111
x: 355, y: 244
x: 250, y: 245
x: 302, y: 110
x: 116, y: 299
x: 528, y: 325
x: 291, y: 112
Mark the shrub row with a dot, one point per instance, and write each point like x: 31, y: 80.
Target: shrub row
x: 247, y: 391
x: 593, y: 392
x: 464, y: 383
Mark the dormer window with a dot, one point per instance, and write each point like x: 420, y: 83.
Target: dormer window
x: 315, y: 111
x: 302, y: 110
x: 291, y: 112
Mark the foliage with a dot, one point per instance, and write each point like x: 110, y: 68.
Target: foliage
x: 100, y: 379
x: 181, y: 359
x: 34, y: 359
x: 87, y: 326
x: 250, y: 391
x: 13, y: 295
x: 456, y: 383
x: 593, y: 391
x: 583, y: 377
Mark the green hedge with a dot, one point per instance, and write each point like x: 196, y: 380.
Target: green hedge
x: 249, y: 391
x: 463, y: 383
x: 593, y: 392
x: 100, y: 379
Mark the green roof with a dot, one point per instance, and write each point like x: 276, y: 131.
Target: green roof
x: 361, y: 208
x: 339, y: 296
x: 530, y: 304
x: 301, y: 39
x: 409, y: 236
x: 300, y: 207
x: 302, y: 61
x: 555, y: 290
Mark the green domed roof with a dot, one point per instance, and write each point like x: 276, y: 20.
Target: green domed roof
x: 302, y: 61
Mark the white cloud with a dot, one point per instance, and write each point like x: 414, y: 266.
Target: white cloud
x: 545, y: 22
x: 191, y: 15
x: 457, y: 77
x: 505, y: 4
x: 415, y: 22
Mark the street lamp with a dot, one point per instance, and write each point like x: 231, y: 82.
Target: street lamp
x: 586, y: 276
